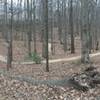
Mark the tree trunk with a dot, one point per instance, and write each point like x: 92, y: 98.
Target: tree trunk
x: 59, y: 21
x: 34, y: 28
x: 46, y: 32
x: 65, y: 25
x: 85, y: 35
x: 28, y: 26
x: 71, y: 26
x: 9, y: 52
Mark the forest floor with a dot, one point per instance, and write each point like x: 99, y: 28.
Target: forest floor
x: 12, y: 89
x: 20, y: 51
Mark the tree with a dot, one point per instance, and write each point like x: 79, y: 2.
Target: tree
x: 65, y: 24
x: 84, y: 32
x: 96, y: 27
x: 59, y: 20
x: 9, y: 53
x: 51, y: 26
x: 71, y: 26
x: 34, y: 24
x: 28, y: 26
x: 45, y: 3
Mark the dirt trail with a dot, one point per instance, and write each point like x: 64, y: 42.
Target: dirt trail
x: 3, y: 59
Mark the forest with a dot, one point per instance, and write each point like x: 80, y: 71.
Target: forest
x: 49, y: 49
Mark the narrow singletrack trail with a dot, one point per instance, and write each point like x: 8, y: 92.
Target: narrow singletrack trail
x: 3, y: 59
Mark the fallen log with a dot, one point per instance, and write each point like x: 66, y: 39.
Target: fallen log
x: 78, y: 86
x: 82, y: 82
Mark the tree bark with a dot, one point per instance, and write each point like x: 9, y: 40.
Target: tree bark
x: 84, y: 33
x: 71, y: 26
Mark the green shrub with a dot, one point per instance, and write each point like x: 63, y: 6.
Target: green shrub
x: 35, y: 57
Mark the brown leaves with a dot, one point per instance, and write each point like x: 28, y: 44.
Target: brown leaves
x: 15, y: 90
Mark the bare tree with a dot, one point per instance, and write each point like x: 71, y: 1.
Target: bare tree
x: 71, y: 26
x: 9, y: 53
x: 45, y: 3
x: 85, y: 35
x: 34, y: 26
x: 28, y: 26
x: 59, y: 20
